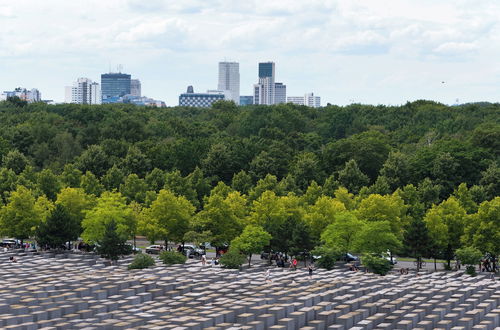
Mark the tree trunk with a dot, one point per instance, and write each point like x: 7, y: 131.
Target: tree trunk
x: 249, y: 259
x: 435, y: 264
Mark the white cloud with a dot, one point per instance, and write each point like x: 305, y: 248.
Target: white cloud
x: 332, y: 47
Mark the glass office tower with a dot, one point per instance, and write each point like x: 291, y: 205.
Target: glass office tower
x: 114, y: 85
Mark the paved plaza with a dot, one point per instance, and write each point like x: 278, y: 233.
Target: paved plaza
x: 80, y: 292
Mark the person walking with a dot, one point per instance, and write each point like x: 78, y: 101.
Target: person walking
x: 203, y: 260
x: 294, y: 264
x: 268, y: 275
x: 310, y: 269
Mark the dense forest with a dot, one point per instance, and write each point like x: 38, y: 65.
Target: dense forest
x: 415, y: 158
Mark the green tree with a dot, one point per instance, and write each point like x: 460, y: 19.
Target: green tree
x: 446, y: 226
x: 388, y: 208
x: 181, y: 186
x: 48, y: 183
x: 155, y: 179
x: 134, y: 189
x: 15, y: 160
x: 313, y: 192
x: 110, y: 207
x: 341, y: 234
x: 322, y: 214
x: 112, y: 244
x: 94, y: 159
x: 352, y: 178
x: 483, y: 229
x: 91, y: 185
x: 306, y: 168
x: 136, y: 162
x: 396, y: 169
x: 71, y: 176
x: 377, y: 238
x: 8, y: 182
x: 469, y: 256
x: 58, y: 229
x: 464, y: 197
x: 19, y: 218
x: 172, y: 214
x: 252, y: 240
x: 490, y: 180
x: 113, y: 178
x: 417, y: 240
x: 223, y: 216
x: 76, y: 203
x: 242, y: 182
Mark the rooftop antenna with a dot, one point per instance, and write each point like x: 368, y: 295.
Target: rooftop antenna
x: 120, y: 68
x: 109, y: 66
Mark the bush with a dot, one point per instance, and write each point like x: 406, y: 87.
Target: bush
x: 377, y: 264
x: 470, y: 257
x: 232, y: 259
x: 141, y: 261
x: 328, y: 257
x: 172, y: 257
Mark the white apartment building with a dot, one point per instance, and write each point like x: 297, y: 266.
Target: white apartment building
x: 309, y: 99
x: 29, y: 95
x: 135, y: 87
x: 83, y: 91
x: 229, y: 80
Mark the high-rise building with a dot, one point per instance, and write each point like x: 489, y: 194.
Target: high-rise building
x: 264, y: 90
x: 201, y: 100
x: 308, y: 99
x: 32, y: 95
x: 229, y: 80
x: 246, y: 99
x: 83, y: 91
x: 279, y: 93
x: 135, y: 87
x: 114, y: 85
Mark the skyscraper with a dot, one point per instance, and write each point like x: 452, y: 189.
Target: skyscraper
x: 264, y: 90
x: 229, y: 80
x: 308, y: 99
x: 114, y: 85
x: 135, y: 87
x: 83, y: 91
x: 279, y: 93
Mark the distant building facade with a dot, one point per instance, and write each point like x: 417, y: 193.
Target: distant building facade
x: 200, y: 100
x: 135, y: 87
x: 83, y: 91
x: 309, y: 99
x: 114, y: 85
x: 229, y: 80
x: 246, y: 100
x: 279, y: 93
x: 28, y: 95
x: 264, y: 90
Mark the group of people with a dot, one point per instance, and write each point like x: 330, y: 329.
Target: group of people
x: 404, y: 271
x: 211, y: 262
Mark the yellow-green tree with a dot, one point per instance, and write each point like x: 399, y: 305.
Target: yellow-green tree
x: 322, y: 214
x: 21, y: 215
x: 252, y: 240
x: 446, y: 223
x: 111, y: 206
x: 171, y: 214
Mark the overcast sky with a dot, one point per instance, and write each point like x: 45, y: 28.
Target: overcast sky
x: 369, y: 51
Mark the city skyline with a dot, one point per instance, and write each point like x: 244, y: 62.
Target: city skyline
x: 386, y: 52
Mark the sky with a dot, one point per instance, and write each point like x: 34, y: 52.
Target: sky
x: 346, y: 51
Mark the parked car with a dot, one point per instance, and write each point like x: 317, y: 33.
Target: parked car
x: 192, y: 251
x: 133, y: 249
x: 10, y: 242
x: 388, y: 258
x: 350, y: 258
x: 154, y: 249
